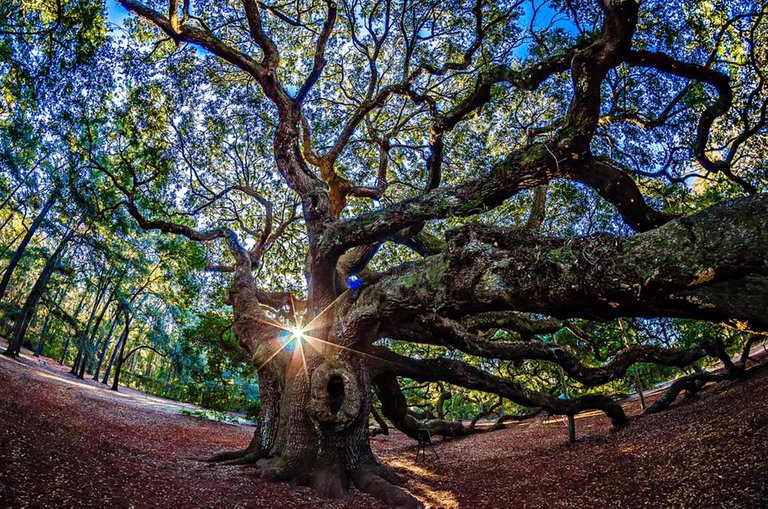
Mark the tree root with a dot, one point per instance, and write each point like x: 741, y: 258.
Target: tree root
x: 278, y: 469
x: 374, y: 480
x: 227, y: 456
x: 330, y: 483
x: 499, y: 424
x: 248, y: 459
x: 693, y: 383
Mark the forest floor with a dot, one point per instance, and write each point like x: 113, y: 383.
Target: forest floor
x: 65, y: 443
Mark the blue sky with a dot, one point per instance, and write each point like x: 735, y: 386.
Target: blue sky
x: 115, y: 13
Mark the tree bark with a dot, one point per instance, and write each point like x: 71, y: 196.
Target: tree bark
x: 315, y: 402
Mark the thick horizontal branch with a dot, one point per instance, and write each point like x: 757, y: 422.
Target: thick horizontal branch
x: 519, y: 323
x: 524, y: 169
x: 464, y: 375
x: 520, y: 170
x: 712, y: 265
x: 453, y: 335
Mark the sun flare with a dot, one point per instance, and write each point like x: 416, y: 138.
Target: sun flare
x: 297, y: 332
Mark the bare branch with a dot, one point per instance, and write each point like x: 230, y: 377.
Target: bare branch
x: 718, y: 108
x: 319, y: 60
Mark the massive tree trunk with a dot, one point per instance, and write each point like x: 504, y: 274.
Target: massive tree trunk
x: 315, y: 398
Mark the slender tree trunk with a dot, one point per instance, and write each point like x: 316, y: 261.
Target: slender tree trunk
x: 570, y: 417
x: 105, y: 345
x: 84, y: 336
x: 33, y: 318
x: 43, y: 334
x: 41, y: 342
x: 168, y: 372
x: 95, y: 330
x: 148, y: 370
x: 33, y: 298
x: 23, y: 245
x: 8, y: 246
x: 19, y: 331
x: 75, y: 316
x: 76, y: 364
x: 118, y: 348
x: 120, y: 358
x: 638, y: 381
x: 83, y: 363
x: 64, y: 351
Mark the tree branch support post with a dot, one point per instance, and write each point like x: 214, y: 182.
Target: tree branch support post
x: 638, y: 381
x: 563, y: 388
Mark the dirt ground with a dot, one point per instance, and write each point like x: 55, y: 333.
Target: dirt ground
x: 65, y: 443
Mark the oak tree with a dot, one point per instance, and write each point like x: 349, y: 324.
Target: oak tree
x: 389, y: 150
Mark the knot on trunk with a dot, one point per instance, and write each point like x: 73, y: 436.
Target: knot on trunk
x: 335, y: 395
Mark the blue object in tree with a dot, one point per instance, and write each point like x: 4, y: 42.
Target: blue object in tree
x: 354, y: 281
x: 288, y: 340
